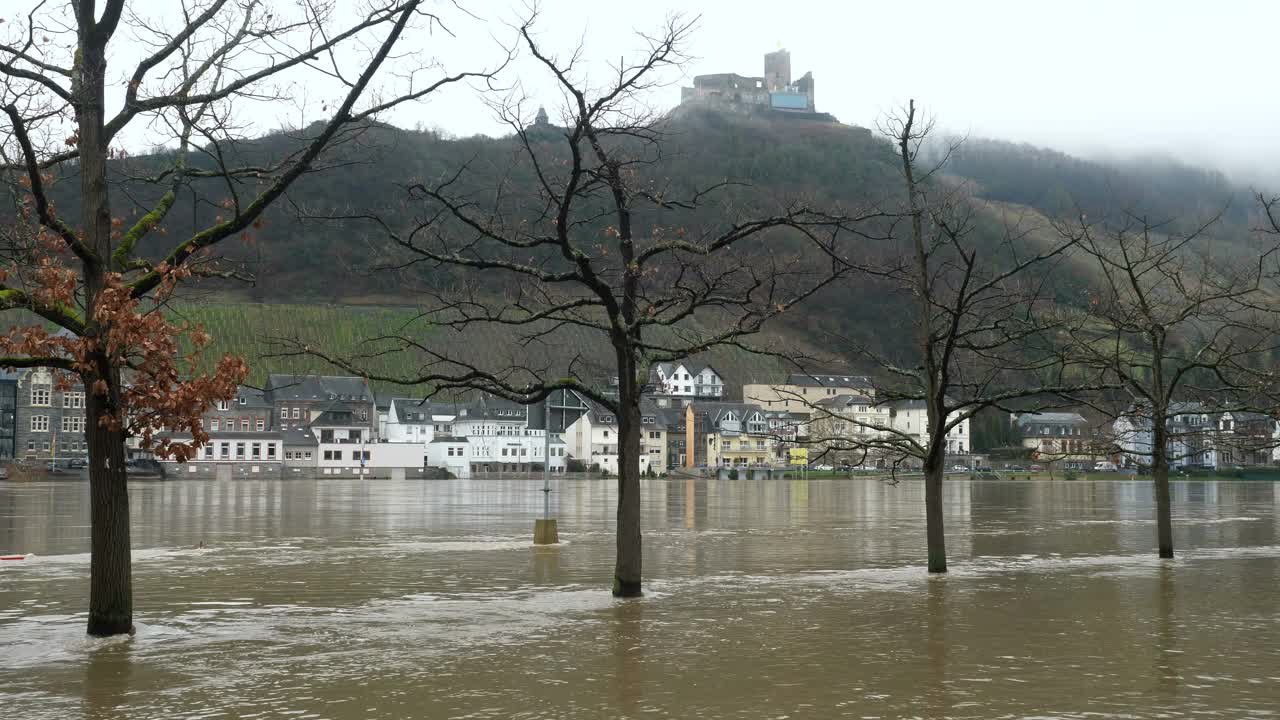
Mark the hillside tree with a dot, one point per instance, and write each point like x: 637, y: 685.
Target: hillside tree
x: 84, y: 284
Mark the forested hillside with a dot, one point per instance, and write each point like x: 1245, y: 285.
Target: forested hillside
x: 316, y: 278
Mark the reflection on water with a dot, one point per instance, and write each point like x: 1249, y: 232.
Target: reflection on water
x: 342, y: 599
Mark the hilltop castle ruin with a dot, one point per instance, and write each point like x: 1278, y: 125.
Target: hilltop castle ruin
x: 773, y: 91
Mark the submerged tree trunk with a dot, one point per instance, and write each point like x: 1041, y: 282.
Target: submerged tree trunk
x: 934, y: 530
x: 627, y: 567
x: 110, y: 565
x: 110, y: 582
x: 1160, y: 475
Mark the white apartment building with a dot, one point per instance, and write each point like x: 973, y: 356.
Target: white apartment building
x: 912, y: 417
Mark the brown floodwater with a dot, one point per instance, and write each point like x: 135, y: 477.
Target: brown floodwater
x: 764, y: 599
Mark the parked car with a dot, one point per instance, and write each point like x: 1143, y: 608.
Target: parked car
x: 959, y: 468
x: 821, y: 467
x: 984, y: 469
x: 1017, y: 468
x: 1104, y: 466
x: 1036, y: 468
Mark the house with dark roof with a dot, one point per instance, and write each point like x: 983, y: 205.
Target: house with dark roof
x: 736, y: 434
x: 799, y: 391
x: 49, y: 419
x: 593, y: 438
x: 848, y: 429
x: 297, y: 400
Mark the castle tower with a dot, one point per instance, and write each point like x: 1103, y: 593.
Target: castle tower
x: 540, y: 120
x: 777, y: 70
x: 805, y: 86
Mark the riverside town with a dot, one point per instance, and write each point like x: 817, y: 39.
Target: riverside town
x: 560, y: 360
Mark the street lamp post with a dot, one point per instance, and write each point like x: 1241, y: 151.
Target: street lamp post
x: 544, y: 528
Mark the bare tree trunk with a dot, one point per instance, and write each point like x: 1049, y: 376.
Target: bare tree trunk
x: 627, y: 570
x: 110, y: 565
x: 934, y: 529
x: 1160, y: 474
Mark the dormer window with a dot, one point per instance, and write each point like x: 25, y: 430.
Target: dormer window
x: 243, y: 400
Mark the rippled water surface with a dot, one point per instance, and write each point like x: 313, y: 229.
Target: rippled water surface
x: 769, y: 599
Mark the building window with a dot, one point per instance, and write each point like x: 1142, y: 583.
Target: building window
x: 224, y: 451
x: 297, y: 413
x: 73, y: 400
x: 243, y: 401
x: 39, y: 423
x: 307, y: 454
x: 244, y: 424
x: 284, y: 413
x: 213, y: 424
x: 40, y: 395
x: 256, y: 451
x: 261, y: 424
x: 73, y: 423
x: 222, y: 405
x: 208, y: 452
x: 239, y: 451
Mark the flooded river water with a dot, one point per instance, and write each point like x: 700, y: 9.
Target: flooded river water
x: 769, y: 599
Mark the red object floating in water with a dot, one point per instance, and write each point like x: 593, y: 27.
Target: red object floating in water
x: 13, y: 557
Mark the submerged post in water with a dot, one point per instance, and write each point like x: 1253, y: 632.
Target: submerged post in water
x: 544, y: 528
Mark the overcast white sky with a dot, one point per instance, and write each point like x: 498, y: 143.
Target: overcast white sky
x: 1191, y: 79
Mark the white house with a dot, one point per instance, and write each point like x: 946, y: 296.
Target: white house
x: 410, y: 420
x: 687, y: 380
x: 1199, y: 436
x: 593, y: 439
x: 450, y: 453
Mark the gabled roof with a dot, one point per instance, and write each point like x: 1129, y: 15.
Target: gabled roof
x: 339, y: 416
x: 253, y: 397
x: 1052, y: 418
x: 650, y: 409
x: 494, y: 408
x: 693, y: 367
x: 281, y: 386
x: 845, y: 400
x: 301, y: 436
x: 828, y: 380
x: 410, y: 410
x: 715, y: 411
